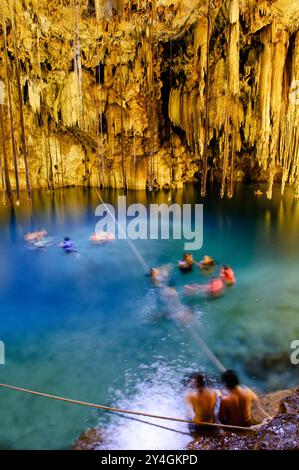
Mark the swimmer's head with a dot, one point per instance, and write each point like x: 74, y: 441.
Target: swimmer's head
x: 153, y: 273
x: 66, y: 239
x: 230, y: 379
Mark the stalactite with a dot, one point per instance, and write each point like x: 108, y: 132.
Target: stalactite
x: 18, y: 78
x: 56, y: 163
x: 225, y: 153
x: 232, y: 164
x: 5, y: 162
x: 123, y: 166
x: 10, y: 108
x: 46, y: 153
x: 206, y: 125
x: 233, y: 87
x: 77, y: 63
x: 61, y: 164
x: 101, y: 153
x: 50, y: 164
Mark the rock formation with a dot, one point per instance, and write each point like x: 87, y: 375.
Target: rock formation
x: 136, y: 94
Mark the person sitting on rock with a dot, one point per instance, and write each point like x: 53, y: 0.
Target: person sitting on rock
x: 235, y: 407
x: 203, y: 401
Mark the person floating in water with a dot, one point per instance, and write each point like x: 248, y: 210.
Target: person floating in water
x: 68, y: 245
x: 227, y: 275
x: 160, y: 275
x: 203, y: 401
x: 235, y: 406
x: 32, y: 237
x: 186, y: 264
x: 98, y: 238
x: 214, y: 288
x: 207, y: 263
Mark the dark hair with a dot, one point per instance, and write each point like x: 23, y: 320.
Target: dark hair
x: 225, y: 266
x: 230, y: 379
x: 66, y: 239
x: 200, y: 380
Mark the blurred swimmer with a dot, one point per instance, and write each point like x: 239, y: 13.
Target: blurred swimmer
x: 35, y: 236
x: 68, y: 245
x: 227, y: 275
x: 160, y: 275
x: 214, y: 288
x: 186, y: 264
x: 207, y: 263
x: 98, y: 238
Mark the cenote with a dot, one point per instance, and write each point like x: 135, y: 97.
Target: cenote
x: 91, y: 327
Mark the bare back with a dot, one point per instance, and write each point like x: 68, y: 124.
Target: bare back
x: 203, y: 403
x: 235, y: 407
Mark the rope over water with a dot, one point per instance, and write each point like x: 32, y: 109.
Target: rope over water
x: 132, y: 246
x: 201, y: 343
x: 124, y: 411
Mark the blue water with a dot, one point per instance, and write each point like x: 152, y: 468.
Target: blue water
x: 91, y: 327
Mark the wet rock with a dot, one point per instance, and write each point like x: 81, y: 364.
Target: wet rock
x: 290, y: 404
x: 88, y: 440
x: 281, y: 433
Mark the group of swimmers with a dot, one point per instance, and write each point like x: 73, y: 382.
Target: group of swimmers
x: 207, y: 265
x: 40, y: 239
x: 231, y: 405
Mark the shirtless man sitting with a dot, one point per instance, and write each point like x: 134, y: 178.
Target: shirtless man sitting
x: 235, y: 407
x: 203, y: 401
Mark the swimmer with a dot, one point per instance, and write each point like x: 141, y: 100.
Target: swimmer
x: 32, y: 237
x: 203, y: 401
x: 235, y: 406
x: 68, y: 245
x: 160, y: 275
x: 99, y: 238
x: 214, y: 288
x: 186, y: 264
x: 207, y: 263
x: 227, y: 275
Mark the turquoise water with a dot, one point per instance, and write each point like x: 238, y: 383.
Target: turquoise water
x: 91, y: 327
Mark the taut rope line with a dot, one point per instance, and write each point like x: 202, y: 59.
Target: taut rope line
x: 119, y: 410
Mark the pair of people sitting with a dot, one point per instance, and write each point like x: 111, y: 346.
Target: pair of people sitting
x: 234, y: 402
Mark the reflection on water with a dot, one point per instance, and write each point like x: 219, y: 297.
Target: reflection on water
x: 93, y: 328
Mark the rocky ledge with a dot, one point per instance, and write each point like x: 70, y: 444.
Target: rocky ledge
x: 279, y: 433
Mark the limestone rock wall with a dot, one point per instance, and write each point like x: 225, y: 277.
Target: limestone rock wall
x: 123, y: 93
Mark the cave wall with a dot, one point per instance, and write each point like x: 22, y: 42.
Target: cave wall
x: 134, y: 93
